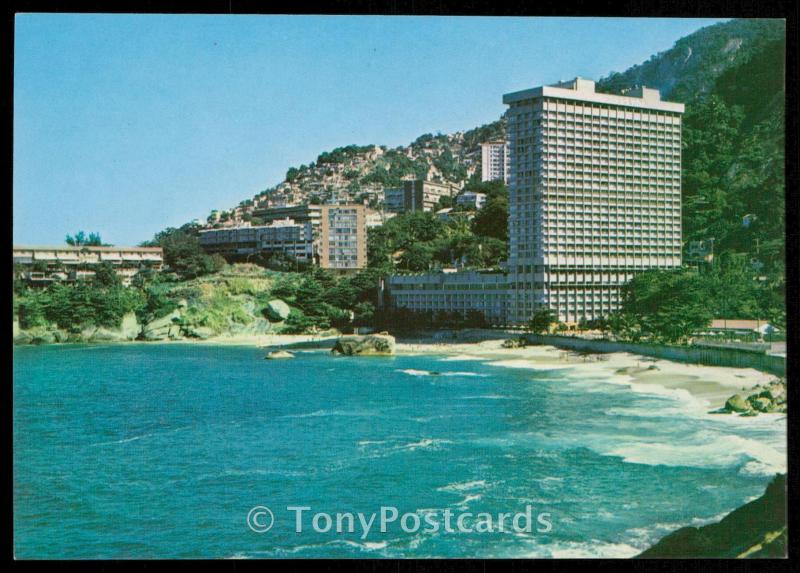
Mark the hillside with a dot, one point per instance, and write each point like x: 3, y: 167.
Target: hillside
x: 689, y: 70
x: 361, y: 172
x: 730, y: 75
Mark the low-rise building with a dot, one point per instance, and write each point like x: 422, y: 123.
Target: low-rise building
x: 45, y: 264
x: 417, y: 195
x: 471, y: 199
x: 284, y: 236
x: 449, y: 291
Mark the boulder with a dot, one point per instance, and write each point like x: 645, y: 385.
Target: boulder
x: 159, y: 329
x: 86, y: 333
x: 278, y: 355
x: 107, y: 335
x: 22, y: 337
x: 277, y: 310
x: 130, y: 327
x: 737, y: 404
x: 42, y: 337
x: 201, y: 332
x: 760, y: 404
x: 515, y: 343
x: 61, y: 335
x: 368, y: 345
x: 774, y: 392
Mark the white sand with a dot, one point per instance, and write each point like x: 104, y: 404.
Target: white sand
x: 713, y: 384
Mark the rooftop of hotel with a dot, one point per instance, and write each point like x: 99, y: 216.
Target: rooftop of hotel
x: 580, y: 89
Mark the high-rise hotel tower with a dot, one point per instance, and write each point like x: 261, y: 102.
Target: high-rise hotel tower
x: 594, y: 196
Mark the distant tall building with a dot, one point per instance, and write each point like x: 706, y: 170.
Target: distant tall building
x: 594, y: 196
x: 494, y: 161
x: 343, y: 237
x: 417, y: 195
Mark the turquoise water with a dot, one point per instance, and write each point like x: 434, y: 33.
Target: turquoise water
x: 137, y: 451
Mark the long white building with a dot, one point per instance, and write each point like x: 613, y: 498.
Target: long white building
x: 594, y: 198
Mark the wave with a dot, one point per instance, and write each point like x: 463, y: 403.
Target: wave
x: 463, y: 486
x: 487, y: 397
x: 413, y: 372
x: 588, y: 550
x: 462, y: 358
x: 719, y: 451
x: 424, y: 444
x: 321, y: 413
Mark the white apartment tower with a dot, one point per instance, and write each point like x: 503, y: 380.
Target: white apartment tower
x: 494, y: 161
x: 594, y: 196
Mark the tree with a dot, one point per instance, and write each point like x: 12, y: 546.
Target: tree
x: 106, y: 276
x: 183, y: 254
x: 80, y: 239
x: 492, y: 219
x: 541, y: 320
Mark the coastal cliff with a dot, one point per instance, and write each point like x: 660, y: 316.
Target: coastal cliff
x: 757, y: 530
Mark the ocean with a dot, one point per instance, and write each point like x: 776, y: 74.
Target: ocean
x: 164, y: 451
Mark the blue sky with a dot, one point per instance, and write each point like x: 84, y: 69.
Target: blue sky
x: 125, y: 125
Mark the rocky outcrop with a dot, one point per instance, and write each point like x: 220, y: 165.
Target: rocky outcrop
x: 277, y: 310
x: 770, y: 398
x: 755, y: 530
x: 520, y: 342
x: 129, y: 329
x: 369, y: 345
x: 163, y: 328
x: 278, y: 355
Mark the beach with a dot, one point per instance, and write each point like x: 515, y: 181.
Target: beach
x: 712, y: 385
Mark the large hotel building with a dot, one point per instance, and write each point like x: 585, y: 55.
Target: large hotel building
x: 594, y: 197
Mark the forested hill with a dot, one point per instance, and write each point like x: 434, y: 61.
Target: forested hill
x: 731, y: 77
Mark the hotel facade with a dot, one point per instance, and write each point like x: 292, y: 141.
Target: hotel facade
x: 495, y: 161
x: 594, y: 198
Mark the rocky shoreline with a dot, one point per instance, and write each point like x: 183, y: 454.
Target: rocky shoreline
x: 757, y: 530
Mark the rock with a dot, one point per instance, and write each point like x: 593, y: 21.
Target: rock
x: 87, y: 333
x: 737, y: 404
x: 653, y: 367
x: 201, y: 332
x: 183, y: 304
x: 760, y: 404
x: 43, y: 337
x: 130, y: 327
x: 61, y: 335
x: 277, y: 310
x: 748, y: 414
x: 159, y: 329
x: 368, y: 345
x: 774, y: 392
x: 515, y: 343
x: 23, y: 337
x: 107, y: 335
x: 278, y: 354
x: 720, y: 411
